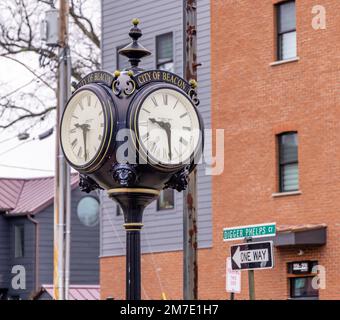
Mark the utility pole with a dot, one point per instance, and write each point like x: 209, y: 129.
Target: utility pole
x: 190, y: 267
x: 62, y: 171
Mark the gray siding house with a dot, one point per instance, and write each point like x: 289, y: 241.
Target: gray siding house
x: 162, y: 27
x: 26, y: 236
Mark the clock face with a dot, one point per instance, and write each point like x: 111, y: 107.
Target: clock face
x: 82, y: 128
x: 168, y: 127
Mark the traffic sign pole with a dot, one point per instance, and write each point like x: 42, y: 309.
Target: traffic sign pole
x: 251, y: 279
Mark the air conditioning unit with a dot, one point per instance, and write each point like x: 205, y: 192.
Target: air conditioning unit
x: 49, y: 27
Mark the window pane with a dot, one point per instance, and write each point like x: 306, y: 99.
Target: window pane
x: 169, y: 66
x: 289, y: 148
x: 164, y: 49
x: 166, y: 200
x: 288, y: 46
x: 287, y: 17
x: 303, y: 288
x: 19, y: 238
x: 290, y: 177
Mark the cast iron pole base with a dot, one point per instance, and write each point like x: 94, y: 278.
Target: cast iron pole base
x: 133, y: 202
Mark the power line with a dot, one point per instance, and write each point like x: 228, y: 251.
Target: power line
x: 41, y: 136
x: 25, y: 168
x: 15, y: 147
x: 8, y: 139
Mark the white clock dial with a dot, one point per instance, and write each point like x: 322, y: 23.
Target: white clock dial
x: 82, y: 129
x: 168, y: 127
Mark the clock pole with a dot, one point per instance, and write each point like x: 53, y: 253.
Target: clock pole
x: 132, y: 178
x: 133, y: 202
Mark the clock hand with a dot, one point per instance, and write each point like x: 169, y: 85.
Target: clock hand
x: 85, y: 128
x: 167, y: 128
x: 84, y: 137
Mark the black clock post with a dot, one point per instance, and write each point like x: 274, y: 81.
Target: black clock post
x: 133, y: 202
x: 133, y: 182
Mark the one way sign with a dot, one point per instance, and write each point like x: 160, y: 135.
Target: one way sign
x: 250, y: 256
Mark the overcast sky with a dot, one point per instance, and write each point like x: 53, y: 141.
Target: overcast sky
x: 33, y: 158
x: 36, y: 154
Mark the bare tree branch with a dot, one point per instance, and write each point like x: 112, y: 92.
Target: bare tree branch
x: 25, y: 116
x: 19, y: 27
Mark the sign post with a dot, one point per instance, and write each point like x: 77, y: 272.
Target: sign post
x: 251, y: 256
x: 251, y: 280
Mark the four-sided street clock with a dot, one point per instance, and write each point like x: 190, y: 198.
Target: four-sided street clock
x: 133, y: 133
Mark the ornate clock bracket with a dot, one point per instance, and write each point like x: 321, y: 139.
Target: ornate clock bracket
x: 125, y: 174
x: 179, y: 181
x: 123, y: 84
x: 86, y: 184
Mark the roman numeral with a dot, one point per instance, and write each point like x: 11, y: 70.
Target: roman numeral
x: 183, y: 115
x: 145, y: 136
x: 165, y: 99
x: 175, y: 104
x: 187, y: 128
x: 147, y: 111
x: 153, y: 147
x: 100, y: 113
x: 73, y: 130
x: 75, y: 117
x: 143, y: 123
x: 154, y: 101
x: 81, y: 105
x: 182, y: 140
x: 88, y: 100
x: 79, y: 152
x: 100, y: 137
x: 74, y: 143
x: 102, y: 125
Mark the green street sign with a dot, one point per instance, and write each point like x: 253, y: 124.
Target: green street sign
x: 253, y: 231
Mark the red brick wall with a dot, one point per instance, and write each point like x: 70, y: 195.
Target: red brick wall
x: 253, y: 102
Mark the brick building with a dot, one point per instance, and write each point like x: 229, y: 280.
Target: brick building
x: 275, y: 91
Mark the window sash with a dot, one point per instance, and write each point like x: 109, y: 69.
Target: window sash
x: 164, y: 49
x: 305, y: 291
x: 19, y: 241
x: 287, y: 45
x: 166, y: 204
x: 289, y: 180
x: 286, y: 17
x: 284, y: 30
x: 288, y: 163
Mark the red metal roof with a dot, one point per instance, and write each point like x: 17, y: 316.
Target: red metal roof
x: 76, y: 292
x: 28, y: 196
